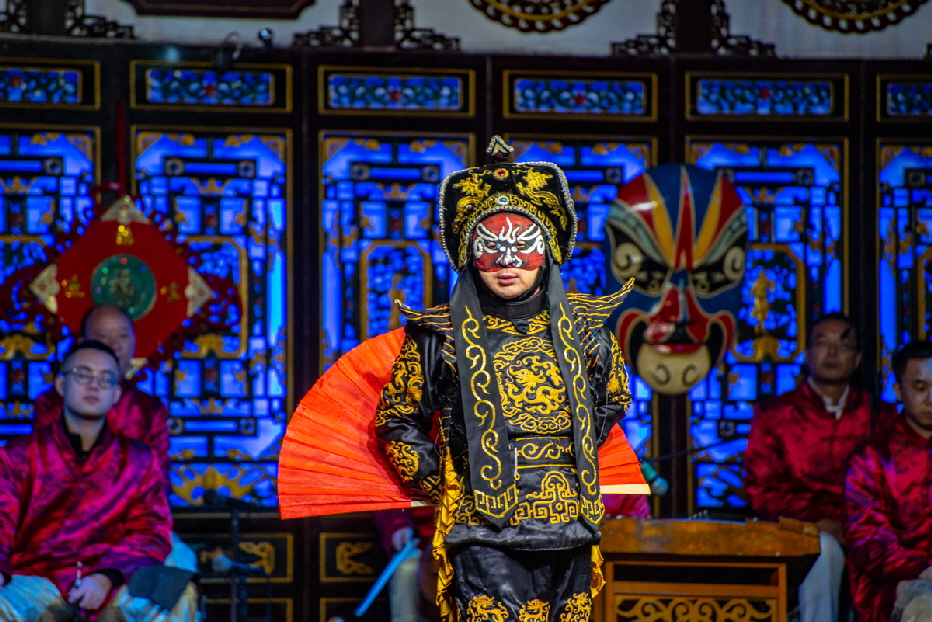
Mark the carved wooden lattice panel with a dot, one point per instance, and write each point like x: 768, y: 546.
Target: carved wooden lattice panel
x: 904, y: 218
x: 45, y: 179
x: 795, y: 193
x: 226, y: 194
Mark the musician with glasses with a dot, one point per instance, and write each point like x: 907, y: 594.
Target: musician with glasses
x: 136, y: 414
x: 82, y: 507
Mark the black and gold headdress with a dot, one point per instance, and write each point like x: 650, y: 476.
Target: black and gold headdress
x: 537, y: 190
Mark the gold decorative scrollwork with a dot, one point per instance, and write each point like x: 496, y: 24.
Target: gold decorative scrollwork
x: 485, y: 609
x: 346, y: 564
x: 534, y: 611
x: 264, y: 551
x: 652, y: 608
x: 532, y: 388
x: 578, y: 608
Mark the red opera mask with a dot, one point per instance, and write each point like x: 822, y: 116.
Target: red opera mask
x: 507, y: 240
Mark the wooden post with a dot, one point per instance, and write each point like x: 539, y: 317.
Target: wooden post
x: 377, y: 24
x: 46, y: 17
x: 694, y: 27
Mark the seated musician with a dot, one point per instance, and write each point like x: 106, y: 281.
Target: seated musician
x: 82, y: 507
x: 798, y: 449
x: 136, y: 414
x: 887, y: 493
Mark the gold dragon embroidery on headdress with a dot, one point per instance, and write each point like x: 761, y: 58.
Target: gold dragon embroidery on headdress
x: 478, y: 201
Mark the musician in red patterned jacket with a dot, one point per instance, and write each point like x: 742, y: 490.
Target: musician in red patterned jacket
x: 798, y: 449
x: 82, y: 508
x: 136, y: 414
x: 887, y: 494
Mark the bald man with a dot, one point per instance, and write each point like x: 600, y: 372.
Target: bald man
x: 136, y: 414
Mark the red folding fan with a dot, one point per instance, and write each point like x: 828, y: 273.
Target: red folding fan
x: 330, y: 462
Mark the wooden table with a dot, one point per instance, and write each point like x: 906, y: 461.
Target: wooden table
x: 703, y: 570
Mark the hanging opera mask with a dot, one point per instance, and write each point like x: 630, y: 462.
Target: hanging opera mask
x: 681, y: 233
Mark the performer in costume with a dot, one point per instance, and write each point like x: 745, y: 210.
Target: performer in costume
x: 82, y: 508
x: 528, y: 386
x: 887, y: 492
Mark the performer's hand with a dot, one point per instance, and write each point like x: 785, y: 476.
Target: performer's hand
x: 926, y: 575
x: 401, y: 537
x: 833, y: 528
x: 91, y: 593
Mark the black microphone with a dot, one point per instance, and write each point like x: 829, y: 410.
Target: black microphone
x: 224, y: 565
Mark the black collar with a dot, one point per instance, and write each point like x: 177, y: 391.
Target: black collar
x: 75, y: 439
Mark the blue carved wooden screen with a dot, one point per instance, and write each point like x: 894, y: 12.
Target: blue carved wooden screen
x: 46, y: 176
x: 795, y: 193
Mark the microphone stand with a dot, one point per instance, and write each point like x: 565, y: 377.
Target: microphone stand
x: 239, y: 596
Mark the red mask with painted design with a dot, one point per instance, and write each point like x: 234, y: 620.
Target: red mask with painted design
x: 507, y: 240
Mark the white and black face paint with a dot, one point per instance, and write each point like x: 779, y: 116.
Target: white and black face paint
x: 507, y: 240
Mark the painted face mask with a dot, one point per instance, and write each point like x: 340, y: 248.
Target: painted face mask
x: 681, y: 233
x: 507, y: 240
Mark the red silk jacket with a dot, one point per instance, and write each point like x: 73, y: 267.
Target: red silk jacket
x: 136, y: 415
x: 797, y: 453
x: 889, y: 530
x: 109, y: 512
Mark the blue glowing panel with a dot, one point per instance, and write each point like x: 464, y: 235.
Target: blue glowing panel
x: 763, y: 97
x: 905, y: 269
x: 794, y: 194
x: 594, y: 170
x: 381, y: 91
x: 45, y: 181
x: 577, y: 95
x: 227, y: 194
x: 907, y: 99
x: 40, y: 86
x: 380, y: 221
x: 209, y: 87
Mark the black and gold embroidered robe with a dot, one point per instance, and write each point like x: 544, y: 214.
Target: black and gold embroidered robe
x: 538, y: 420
